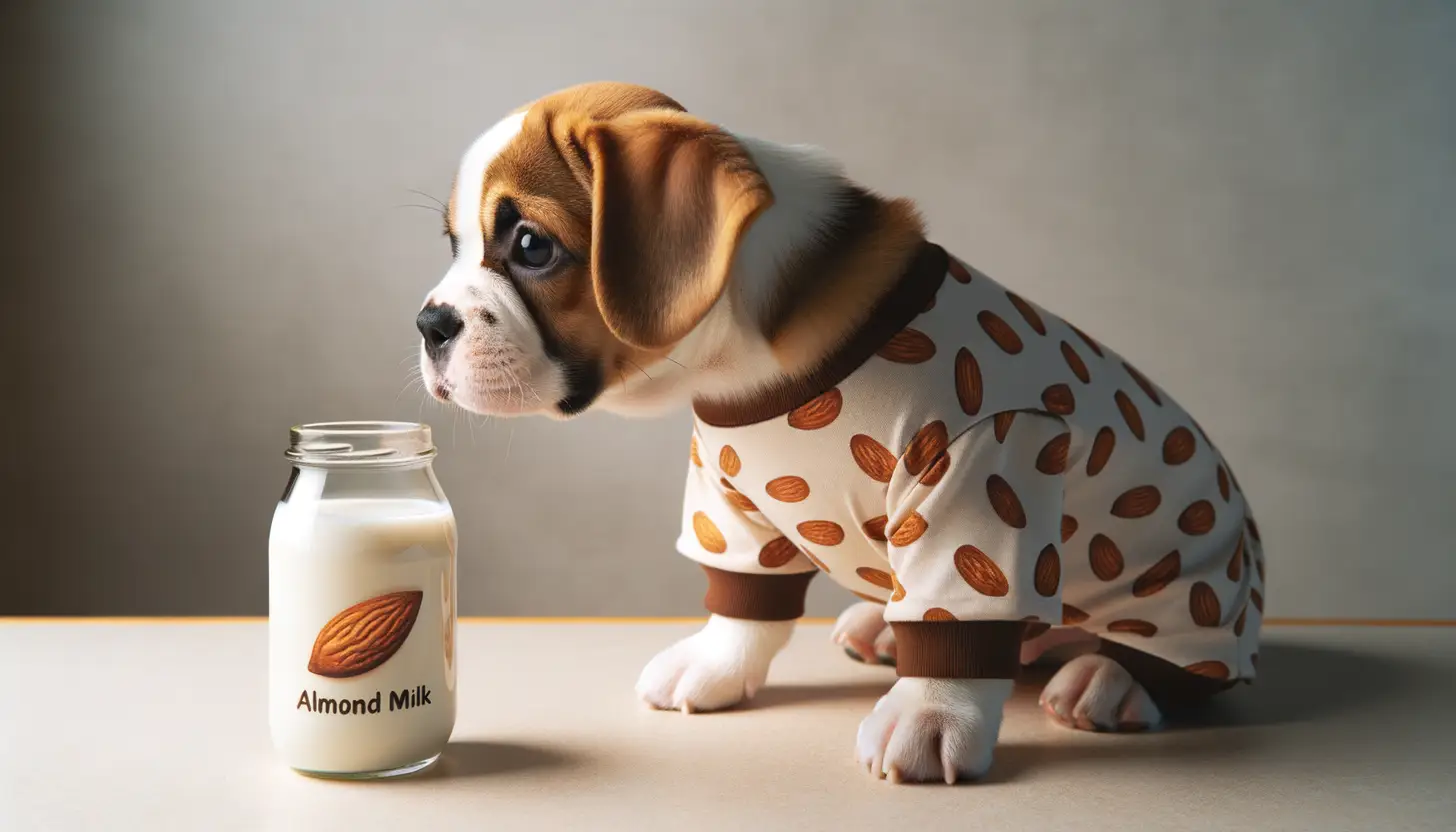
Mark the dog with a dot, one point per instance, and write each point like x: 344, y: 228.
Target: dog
x: 991, y: 480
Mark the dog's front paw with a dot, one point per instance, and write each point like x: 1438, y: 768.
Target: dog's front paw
x: 719, y: 666
x: 933, y: 729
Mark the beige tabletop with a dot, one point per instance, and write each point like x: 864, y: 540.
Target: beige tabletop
x: 161, y: 726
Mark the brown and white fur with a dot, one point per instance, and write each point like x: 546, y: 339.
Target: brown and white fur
x: 719, y: 264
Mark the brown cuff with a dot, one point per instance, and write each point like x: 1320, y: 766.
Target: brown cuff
x: 757, y: 597
x: 958, y: 649
x: 1168, y: 684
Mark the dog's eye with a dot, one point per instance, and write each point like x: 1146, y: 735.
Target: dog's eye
x: 533, y: 250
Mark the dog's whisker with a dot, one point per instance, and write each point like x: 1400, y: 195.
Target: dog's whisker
x: 428, y: 196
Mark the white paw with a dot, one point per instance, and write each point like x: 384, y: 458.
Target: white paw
x: 864, y: 634
x: 721, y: 665
x: 1095, y: 693
x: 933, y: 729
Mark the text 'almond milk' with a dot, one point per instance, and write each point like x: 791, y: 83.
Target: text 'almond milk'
x: 361, y: 603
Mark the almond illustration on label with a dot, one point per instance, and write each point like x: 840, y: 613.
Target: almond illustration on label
x: 1105, y: 557
x: 822, y: 532
x: 878, y: 577
x: 1203, y: 605
x: 1000, y: 332
x: 1159, y: 575
x: 1002, y: 422
x: 1136, y: 626
x: 909, y: 530
x: 1075, y: 362
x: 708, y: 534
x: 788, y: 489
x: 1179, y: 445
x: 728, y: 461
x: 908, y: 346
x: 1048, y: 572
x: 1130, y: 414
x: 1053, y: 457
x: 1004, y: 502
x: 365, y: 635
x: 1033, y: 318
x: 1058, y: 399
x: 982, y: 573
x: 1102, y: 446
x: 1137, y: 502
x: 968, y: 384
x: 872, y: 458
x: 776, y: 553
x: 874, y: 528
x: 929, y: 442
x: 819, y: 412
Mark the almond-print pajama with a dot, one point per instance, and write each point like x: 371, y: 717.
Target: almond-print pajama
x: 988, y: 470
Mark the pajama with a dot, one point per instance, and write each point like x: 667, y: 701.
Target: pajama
x: 988, y: 471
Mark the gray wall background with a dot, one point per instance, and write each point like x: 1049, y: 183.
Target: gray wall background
x: 1256, y: 201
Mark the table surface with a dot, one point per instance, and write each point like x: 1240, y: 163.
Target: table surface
x: 161, y: 725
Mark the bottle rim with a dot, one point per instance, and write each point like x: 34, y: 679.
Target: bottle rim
x: 359, y: 443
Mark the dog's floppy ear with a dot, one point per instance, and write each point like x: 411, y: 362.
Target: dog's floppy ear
x: 671, y: 199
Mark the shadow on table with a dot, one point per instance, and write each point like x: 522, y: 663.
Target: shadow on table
x: 778, y: 696
x: 477, y: 758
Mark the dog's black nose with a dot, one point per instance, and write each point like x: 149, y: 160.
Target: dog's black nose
x: 438, y: 324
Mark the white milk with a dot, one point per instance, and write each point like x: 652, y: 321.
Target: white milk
x: 328, y: 713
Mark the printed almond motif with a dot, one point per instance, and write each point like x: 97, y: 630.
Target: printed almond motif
x: 738, y: 500
x: 872, y: 458
x: 1000, y: 332
x: 1136, y: 626
x: 819, y: 564
x: 981, y: 572
x: 929, y: 442
x: 1236, y: 563
x: 1211, y: 669
x: 1197, y: 519
x: 1137, y: 502
x: 937, y: 614
x: 1105, y: 557
x: 777, y: 552
x: 968, y: 382
x: 1130, y: 414
x: 1179, y: 445
x: 729, y: 462
x: 1159, y: 575
x: 819, y: 412
x: 1069, y: 527
x: 1058, y: 399
x: 693, y: 452
x: 1053, y: 457
x: 708, y: 535
x: 1075, y: 362
x: 909, y: 530
x: 1005, y: 502
x: 878, y: 577
x: 874, y: 528
x: 1048, y: 573
x: 1033, y: 318
x: 365, y: 636
x: 1257, y: 599
x: 958, y: 271
x: 1223, y: 483
x: 1091, y: 345
x: 1102, y: 446
x: 1203, y: 605
x: 1259, y: 565
x: 897, y: 592
x: 1002, y: 422
x: 908, y: 346
x: 1142, y: 381
x: 822, y: 532
x: 788, y: 489
x: 1071, y: 616
x: 1253, y: 529
x: 937, y: 470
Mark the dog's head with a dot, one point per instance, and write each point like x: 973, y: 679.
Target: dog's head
x: 592, y: 231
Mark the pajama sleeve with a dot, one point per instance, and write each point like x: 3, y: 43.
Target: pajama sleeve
x: 754, y: 572
x: 973, y: 547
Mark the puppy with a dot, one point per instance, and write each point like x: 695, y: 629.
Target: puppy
x: 989, y: 478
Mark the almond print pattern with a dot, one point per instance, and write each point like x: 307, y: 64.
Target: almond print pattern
x: 1105, y: 557
x: 982, y: 573
x: 729, y: 462
x: 1197, y: 519
x: 1223, y: 483
x: 958, y: 271
x: 937, y: 614
x: 908, y: 346
x: 1053, y: 457
x: 789, y: 489
x: 708, y: 535
x: 736, y: 498
x: 776, y: 553
x: 1142, y: 381
x: 1000, y: 332
x: 937, y: 470
x: 1069, y: 527
x: 1159, y: 575
x: 1137, y: 502
x: 1253, y: 529
x: 1047, y: 576
x: 1102, y: 446
x: 819, y: 564
x: 822, y: 532
x: 874, y: 528
x: 365, y: 635
x: 969, y: 390
x: 1002, y: 423
x: 1257, y: 599
x: 928, y: 443
x: 1178, y: 446
x: 909, y: 530
x: 897, y: 592
x: 1033, y: 318
x: 1072, y: 616
x: 1075, y: 362
x: 1203, y: 605
x: 1058, y: 399
x: 1136, y: 626
x: 1130, y: 414
x: 872, y: 458
x: 1211, y: 669
x: 1091, y: 345
x: 1005, y: 502
x: 693, y: 452
x: 1236, y: 563
x: 878, y: 577
x: 819, y: 412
